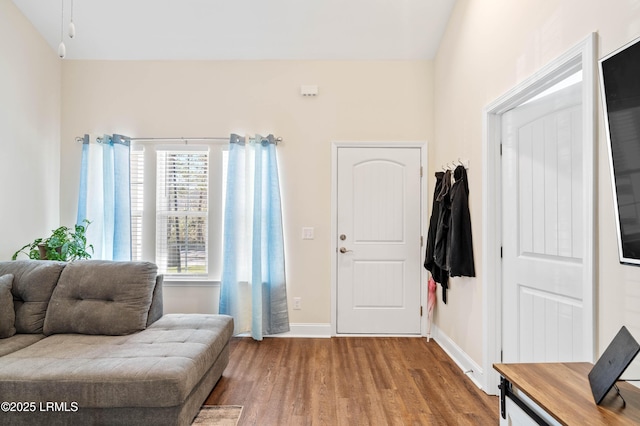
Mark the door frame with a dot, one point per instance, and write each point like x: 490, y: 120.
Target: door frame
x: 422, y: 145
x: 581, y: 56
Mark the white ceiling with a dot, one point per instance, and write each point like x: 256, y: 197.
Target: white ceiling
x: 243, y: 29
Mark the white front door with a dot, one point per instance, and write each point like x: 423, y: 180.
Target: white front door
x: 544, y: 285
x: 378, y: 253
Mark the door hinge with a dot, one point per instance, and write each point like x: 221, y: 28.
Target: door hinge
x: 420, y: 310
x: 500, y: 148
x: 420, y: 171
x: 500, y: 252
x: 421, y: 241
x: 501, y: 355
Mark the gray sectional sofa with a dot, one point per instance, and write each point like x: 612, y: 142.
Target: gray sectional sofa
x: 86, y: 343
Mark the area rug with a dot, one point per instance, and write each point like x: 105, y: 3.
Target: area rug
x: 218, y: 415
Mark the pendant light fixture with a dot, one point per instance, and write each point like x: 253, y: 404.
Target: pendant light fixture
x: 62, y: 50
x: 72, y: 27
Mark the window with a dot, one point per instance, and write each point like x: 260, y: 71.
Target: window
x: 176, y: 208
x: 182, y: 186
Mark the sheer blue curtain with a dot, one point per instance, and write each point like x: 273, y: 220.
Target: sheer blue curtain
x: 104, y: 197
x: 253, y: 288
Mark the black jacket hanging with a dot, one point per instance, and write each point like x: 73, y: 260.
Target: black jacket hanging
x: 460, y: 259
x: 439, y: 275
x: 442, y: 231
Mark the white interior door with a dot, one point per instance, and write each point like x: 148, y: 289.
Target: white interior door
x: 378, y: 253
x: 544, y: 285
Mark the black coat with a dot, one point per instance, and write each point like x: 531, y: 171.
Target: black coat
x: 442, y: 232
x: 429, y: 261
x: 460, y: 253
x: 439, y: 275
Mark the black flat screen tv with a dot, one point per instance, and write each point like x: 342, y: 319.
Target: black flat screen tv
x: 620, y: 89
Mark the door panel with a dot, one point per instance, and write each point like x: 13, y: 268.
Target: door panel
x: 378, y: 288
x: 378, y: 192
x: 543, y: 287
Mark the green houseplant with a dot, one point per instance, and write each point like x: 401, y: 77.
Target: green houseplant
x: 63, y: 244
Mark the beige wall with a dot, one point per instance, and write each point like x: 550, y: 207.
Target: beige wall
x: 489, y: 47
x: 30, y: 126
x: 357, y: 101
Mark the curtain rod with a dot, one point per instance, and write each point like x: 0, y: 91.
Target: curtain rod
x: 185, y: 140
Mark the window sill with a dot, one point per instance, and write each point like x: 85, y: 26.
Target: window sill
x: 189, y: 282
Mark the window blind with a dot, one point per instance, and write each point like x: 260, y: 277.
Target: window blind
x: 182, y: 200
x: 137, y: 200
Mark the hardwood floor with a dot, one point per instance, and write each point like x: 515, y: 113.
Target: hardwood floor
x: 350, y: 381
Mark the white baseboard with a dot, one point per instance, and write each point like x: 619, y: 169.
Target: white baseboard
x: 468, y: 366
x: 307, y: 330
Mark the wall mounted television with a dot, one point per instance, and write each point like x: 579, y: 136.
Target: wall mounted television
x: 620, y: 89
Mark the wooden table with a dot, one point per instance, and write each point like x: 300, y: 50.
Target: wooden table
x: 562, y: 390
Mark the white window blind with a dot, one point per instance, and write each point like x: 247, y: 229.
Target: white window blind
x: 182, y: 201
x: 137, y: 200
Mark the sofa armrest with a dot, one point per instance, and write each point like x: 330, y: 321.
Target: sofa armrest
x: 156, y: 309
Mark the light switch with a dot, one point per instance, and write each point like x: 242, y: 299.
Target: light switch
x: 307, y: 233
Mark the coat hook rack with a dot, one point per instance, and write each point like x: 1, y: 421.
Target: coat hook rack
x: 452, y: 165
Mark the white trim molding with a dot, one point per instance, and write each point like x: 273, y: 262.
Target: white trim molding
x: 468, y: 366
x: 581, y: 56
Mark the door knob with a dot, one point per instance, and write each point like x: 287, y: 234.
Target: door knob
x: 344, y: 250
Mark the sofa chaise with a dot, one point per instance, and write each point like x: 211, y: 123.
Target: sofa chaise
x: 86, y: 343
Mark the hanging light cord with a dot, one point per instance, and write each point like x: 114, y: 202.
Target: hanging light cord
x: 62, y: 22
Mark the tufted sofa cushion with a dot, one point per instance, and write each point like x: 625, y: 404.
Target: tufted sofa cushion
x: 33, y: 284
x: 158, y: 367
x: 101, y: 297
x: 7, y: 313
x: 17, y: 342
